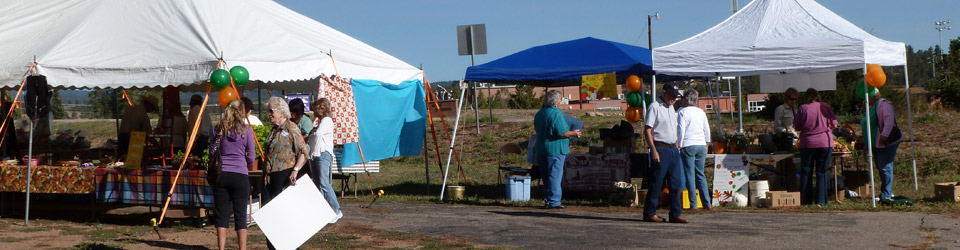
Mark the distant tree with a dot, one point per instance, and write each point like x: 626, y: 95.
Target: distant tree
x: 104, y: 101
x: 524, y: 98
x: 946, y: 84
x: 56, y: 106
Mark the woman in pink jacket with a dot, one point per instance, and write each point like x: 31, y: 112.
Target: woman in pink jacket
x: 814, y: 122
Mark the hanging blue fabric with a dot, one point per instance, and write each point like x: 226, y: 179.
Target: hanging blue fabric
x: 392, y: 119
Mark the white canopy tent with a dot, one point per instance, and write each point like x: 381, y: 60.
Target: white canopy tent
x: 149, y: 43
x: 777, y: 37
x: 157, y: 43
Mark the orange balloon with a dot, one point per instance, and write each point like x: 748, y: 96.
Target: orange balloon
x: 873, y: 67
x: 634, y: 83
x: 875, y: 76
x: 633, y: 114
x: 226, y: 95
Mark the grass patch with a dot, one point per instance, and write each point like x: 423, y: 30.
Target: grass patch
x: 102, y: 235
x: 68, y: 230
x: 31, y: 229
x: 10, y: 239
x: 928, y: 118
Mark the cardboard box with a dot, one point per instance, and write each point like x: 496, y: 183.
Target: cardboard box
x: 831, y: 196
x: 947, y: 191
x: 778, y: 199
x: 858, y: 182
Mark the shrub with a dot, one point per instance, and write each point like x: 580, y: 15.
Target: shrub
x: 524, y: 98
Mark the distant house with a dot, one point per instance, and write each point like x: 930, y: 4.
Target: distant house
x: 725, y: 104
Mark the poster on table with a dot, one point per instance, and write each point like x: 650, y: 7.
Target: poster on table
x: 594, y: 172
x: 295, y: 215
x: 730, y: 175
x: 598, y: 86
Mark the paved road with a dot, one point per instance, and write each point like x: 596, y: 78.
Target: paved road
x: 530, y: 228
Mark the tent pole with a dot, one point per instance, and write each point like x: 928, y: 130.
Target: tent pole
x: 26, y: 218
x: 490, y: 100
x: 653, y: 88
x: 259, y: 102
x: 866, y: 101
x: 116, y: 119
x: 716, y: 108
x: 453, y: 140
x: 906, y: 79
x: 739, y: 103
x: 476, y: 104
x: 426, y: 160
x: 729, y: 96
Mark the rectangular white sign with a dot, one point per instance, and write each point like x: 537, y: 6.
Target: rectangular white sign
x: 295, y: 215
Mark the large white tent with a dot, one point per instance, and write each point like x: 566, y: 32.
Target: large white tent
x: 148, y: 43
x: 778, y: 37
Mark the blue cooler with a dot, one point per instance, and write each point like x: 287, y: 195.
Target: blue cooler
x: 518, y: 188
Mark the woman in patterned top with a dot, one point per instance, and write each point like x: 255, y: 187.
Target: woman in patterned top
x: 285, y: 150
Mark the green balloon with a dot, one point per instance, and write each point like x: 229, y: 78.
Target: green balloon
x: 860, y: 89
x: 240, y: 75
x: 634, y: 99
x: 220, y: 78
x: 647, y: 99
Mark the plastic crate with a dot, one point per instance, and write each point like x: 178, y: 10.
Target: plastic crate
x: 518, y: 188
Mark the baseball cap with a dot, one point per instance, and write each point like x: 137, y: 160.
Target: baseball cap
x: 669, y: 88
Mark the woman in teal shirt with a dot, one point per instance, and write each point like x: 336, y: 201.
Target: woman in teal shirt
x: 553, y: 145
x: 882, y: 125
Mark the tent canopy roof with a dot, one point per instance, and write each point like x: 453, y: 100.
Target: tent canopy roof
x: 147, y: 43
x: 564, y: 63
x: 777, y: 36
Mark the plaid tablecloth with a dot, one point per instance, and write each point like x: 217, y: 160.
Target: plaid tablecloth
x: 47, y: 179
x: 150, y: 187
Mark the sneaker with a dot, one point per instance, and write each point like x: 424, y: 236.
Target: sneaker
x: 335, y: 219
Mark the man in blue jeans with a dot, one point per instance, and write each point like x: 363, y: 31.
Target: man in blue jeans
x: 661, y: 133
x: 552, y: 146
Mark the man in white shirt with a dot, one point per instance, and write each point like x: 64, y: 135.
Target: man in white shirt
x: 693, y: 132
x: 248, y: 108
x: 661, y: 134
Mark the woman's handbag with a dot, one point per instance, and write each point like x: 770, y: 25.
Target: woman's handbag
x: 215, y: 166
x: 895, y: 134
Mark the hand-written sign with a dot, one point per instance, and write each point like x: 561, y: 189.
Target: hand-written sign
x: 730, y: 175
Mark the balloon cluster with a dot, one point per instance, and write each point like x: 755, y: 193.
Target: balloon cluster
x: 220, y: 79
x: 635, y: 99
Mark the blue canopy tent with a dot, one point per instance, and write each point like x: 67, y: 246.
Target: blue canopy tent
x: 564, y: 63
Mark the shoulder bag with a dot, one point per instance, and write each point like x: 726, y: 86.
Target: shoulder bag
x: 215, y: 165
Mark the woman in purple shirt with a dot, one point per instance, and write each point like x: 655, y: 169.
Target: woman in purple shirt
x: 814, y: 122
x: 236, y: 153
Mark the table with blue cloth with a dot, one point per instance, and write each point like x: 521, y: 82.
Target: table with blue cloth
x: 151, y: 186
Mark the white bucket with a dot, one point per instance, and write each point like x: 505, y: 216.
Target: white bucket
x: 758, y: 192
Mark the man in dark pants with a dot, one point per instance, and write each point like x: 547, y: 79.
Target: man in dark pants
x: 661, y: 133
